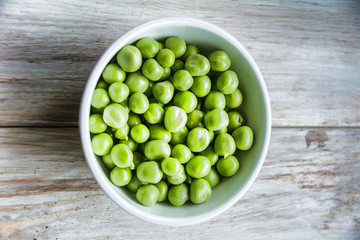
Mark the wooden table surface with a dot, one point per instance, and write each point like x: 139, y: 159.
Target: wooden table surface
x: 309, y: 54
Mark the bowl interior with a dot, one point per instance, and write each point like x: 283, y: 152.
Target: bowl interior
x: 255, y: 109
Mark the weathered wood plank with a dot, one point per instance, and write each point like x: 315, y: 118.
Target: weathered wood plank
x: 309, y: 188
x: 309, y: 53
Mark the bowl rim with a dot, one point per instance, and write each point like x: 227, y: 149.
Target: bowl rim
x: 85, y: 111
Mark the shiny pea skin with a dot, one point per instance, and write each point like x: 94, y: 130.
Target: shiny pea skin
x: 216, y: 119
x: 215, y: 99
x: 190, y: 50
x: 115, y: 115
x: 165, y: 57
x: 163, y: 190
x: 217, y: 132
x: 219, y: 61
x: 108, y: 161
x: 178, y: 179
x: 198, y: 167
x: 213, y: 177
x: 140, y: 133
x: 181, y: 152
x: 157, y: 150
x: 133, y: 119
x: 102, y: 144
x: 236, y: 120
x: 148, y: 91
x: 137, y: 82
x: 148, y: 47
x: 163, y: 92
x: 182, y: 80
x: 113, y: 73
x: 227, y: 82
x: 201, y: 86
x: 175, y: 119
x: 130, y: 143
x: 129, y: 58
x: 152, y: 69
x: 97, y: 124
x: 125, y: 104
x: 166, y: 74
x: 200, y: 191
x: 224, y: 145
x: 100, y: 98
x: 138, y: 158
x: 171, y: 166
x: 198, y: 139
x: 118, y: 92
x: 138, y: 103
x: 178, y: 195
x: 185, y: 100
x: 134, y: 184
x: 154, y: 114
x: 120, y: 176
x: 180, y: 136
x: 147, y: 195
x: 234, y: 100
x: 244, y: 137
x: 197, y: 65
x: 228, y: 166
x: 102, y: 84
x: 149, y: 172
x: 176, y: 45
x: 210, y: 154
x: 122, y: 156
x: 178, y: 65
x: 195, y: 119
x: 159, y: 132
x: 122, y: 132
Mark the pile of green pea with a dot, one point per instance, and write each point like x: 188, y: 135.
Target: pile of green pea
x: 164, y: 120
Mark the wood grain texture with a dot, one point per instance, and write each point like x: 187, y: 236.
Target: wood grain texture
x: 308, y: 52
x: 308, y: 188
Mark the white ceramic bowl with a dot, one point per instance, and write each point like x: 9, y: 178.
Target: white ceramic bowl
x: 255, y: 107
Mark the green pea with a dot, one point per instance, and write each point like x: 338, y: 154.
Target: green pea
x: 236, y: 120
x: 129, y: 58
x: 130, y: 143
x: 157, y: 150
x: 234, y: 100
x: 195, y: 119
x: 219, y: 61
x: 122, y: 156
x: 161, y: 45
x: 180, y: 136
x: 100, y: 98
x: 166, y: 74
x: 197, y: 65
x: 216, y: 119
x: 154, y: 114
x: 113, y: 73
x: 138, y: 158
x: 213, y: 177
x: 138, y: 103
x: 102, y: 84
x: 115, y: 115
x: 118, y: 91
x: 175, y: 119
x: 176, y: 45
x: 244, y: 137
x: 108, y: 161
x: 178, y: 195
x: 198, y: 139
x: 198, y: 167
x: 212, y: 135
x: 217, y: 132
x: 181, y: 153
x: 149, y: 172
x: 182, y: 80
x: 190, y: 50
x: 148, y: 47
x: 133, y: 119
x: 97, y: 124
x: 185, y: 100
x: 215, y: 99
x: 147, y: 195
x: 159, y: 132
x: 120, y: 176
x: 140, y: 133
x: 148, y: 91
x: 163, y: 92
x: 134, y: 184
x: 163, y: 190
x: 178, y: 65
x: 177, y: 179
x: 227, y: 82
x: 102, y: 144
x: 125, y: 104
x: 210, y: 154
x: 200, y: 191
x: 137, y: 82
x: 227, y: 166
x: 224, y: 145
x: 122, y: 132
x: 201, y: 86
x: 166, y: 58
x: 171, y: 166
x: 152, y: 69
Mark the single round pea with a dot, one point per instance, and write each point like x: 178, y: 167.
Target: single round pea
x: 122, y: 132
x: 154, y: 114
x: 198, y: 139
x: 236, y: 120
x: 134, y: 184
x: 138, y: 158
x: 102, y: 144
x: 190, y: 50
x: 171, y: 166
x: 201, y: 86
x: 100, y: 98
x: 108, y: 161
x: 113, y: 73
x: 129, y: 58
x: 149, y: 172
x: 159, y: 132
x: 197, y: 65
x: 157, y: 150
x: 175, y: 119
x: 216, y: 119
x: 140, y: 133
x: 163, y: 92
x: 198, y: 167
x: 152, y: 69
x: 118, y: 92
x: 163, y: 190
x: 200, y: 191
x: 195, y: 119
x: 219, y: 61
x: 147, y: 195
x: 210, y: 154
x: 224, y: 145
x: 178, y: 179
x: 215, y: 99
x: 178, y: 65
x: 217, y: 132
x: 122, y: 156
x: 181, y: 153
x: 185, y: 100
x: 227, y: 82
x: 244, y: 137
x: 148, y: 91
x: 161, y: 45
x: 213, y: 177
x: 120, y: 176
x: 137, y: 82
x: 138, y: 103
x: 133, y: 119
x: 102, y: 84
x: 130, y: 143
x: 125, y: 104
x: 182, y: 80
x: 176, y: 45
x: 115, y: 115
x: 180, y: 136
x: 166, y: 74
x: 234, y: 100
x: 166, y: 57
x: 178, y: 195
x: 228, y: 166
x: 97, y: 124
x: 148, y: 47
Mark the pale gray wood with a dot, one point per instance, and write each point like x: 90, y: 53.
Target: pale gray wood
x: 308, y: 53
x: 308, y: 188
